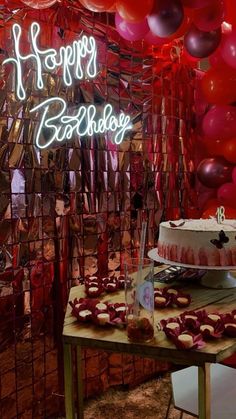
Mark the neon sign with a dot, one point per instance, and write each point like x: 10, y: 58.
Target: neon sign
x: 77, y: 61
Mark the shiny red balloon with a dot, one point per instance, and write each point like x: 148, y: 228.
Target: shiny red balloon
x: 228, y: 49
x: 201, y: 44
x: 219, y: 123
x: 133, y: 10
x: 98, y: 5
x: 227, y: 194
x: 230, y: 11
x: 219, y: 85
x: 196, y: 4
x: 166, y: 17
x: 211, y: 17
x: 214, y: 172
x: 234, y: 175
x: 39, y: 4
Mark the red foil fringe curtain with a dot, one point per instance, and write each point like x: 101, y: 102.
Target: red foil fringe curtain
x: 78, y: 208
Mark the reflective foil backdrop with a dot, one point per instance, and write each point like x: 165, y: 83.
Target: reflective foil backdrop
x: 78, y: 208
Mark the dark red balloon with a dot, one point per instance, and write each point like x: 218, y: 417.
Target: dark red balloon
x: 166, y: 17
x: 197, y: 4
x: 201, y: 44
x: 214, y: 172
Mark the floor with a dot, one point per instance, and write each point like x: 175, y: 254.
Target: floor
x: 151, y: 400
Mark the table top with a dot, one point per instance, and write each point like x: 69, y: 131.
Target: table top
x: 116, y: 340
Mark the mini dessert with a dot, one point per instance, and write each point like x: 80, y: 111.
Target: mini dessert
x: 171, y: 291
x: 110, y: 287
x: 230, y: 330
x: 161, y: 301
x: 198, y: 242
x: 94, y: 291
x: 186, y: 340
x: 103, y: 318
x: 182, y: 300
x: 84, y: 315
x: 101, y: 307
x: 172, y: 325
x: 214, y: 317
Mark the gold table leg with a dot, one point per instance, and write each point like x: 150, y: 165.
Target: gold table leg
x: 80, y: 391
x: 204, y: 392
x: 68, y: 380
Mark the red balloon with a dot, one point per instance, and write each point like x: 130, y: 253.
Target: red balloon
x: 152, y: 39
x: 201, y: 44
x: 219, y: 85
x: 39, y: 4
x: 229, y: 150
x: 234, y: 175
x: 184, y: 27
x: 196, y: 4
x: 214, y: 147
x: 230, y: 11
x: 219, y: 123
x: 133, y: 10
x: 98, y: 5
x: 213, y: 202
x: 229, y: 49
x: 166, y: 17
x: 216, y: 59
x: 227, y: 194
x: 211, y: 17
x: 214, y: 172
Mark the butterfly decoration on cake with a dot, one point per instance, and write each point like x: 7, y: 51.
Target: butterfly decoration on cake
x: 219, y: 243
x: 177, y: 225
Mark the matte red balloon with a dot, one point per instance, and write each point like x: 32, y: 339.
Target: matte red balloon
x: 166, y: 17
x: 229, y: 150
x: 98, y: 5
x: 227, y: 194
x: 214, y: 172
x: 133, y: 10
x: 201, y: 44
x: 219, y: 123
x: 211, y: 17
x: 219, y: 85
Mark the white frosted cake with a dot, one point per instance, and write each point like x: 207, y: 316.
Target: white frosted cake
x: 198, y: 242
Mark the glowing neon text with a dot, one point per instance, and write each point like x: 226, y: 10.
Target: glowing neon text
x: 86, y: 121
x: 77, y: 61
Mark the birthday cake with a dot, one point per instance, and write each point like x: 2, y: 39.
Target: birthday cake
x: 198, y: 242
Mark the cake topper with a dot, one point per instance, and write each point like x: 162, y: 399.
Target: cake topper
x: 220, y: 215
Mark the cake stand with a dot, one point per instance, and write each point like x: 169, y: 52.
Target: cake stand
x: 215, y: 277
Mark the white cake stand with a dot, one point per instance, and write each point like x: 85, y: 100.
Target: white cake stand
x: 215, y: 277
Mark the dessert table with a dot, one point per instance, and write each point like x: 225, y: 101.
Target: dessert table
x: 82, y: 335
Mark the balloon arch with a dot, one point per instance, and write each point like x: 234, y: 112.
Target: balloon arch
x: 207, y: 29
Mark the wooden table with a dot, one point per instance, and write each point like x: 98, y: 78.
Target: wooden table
x: 115, y: 340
